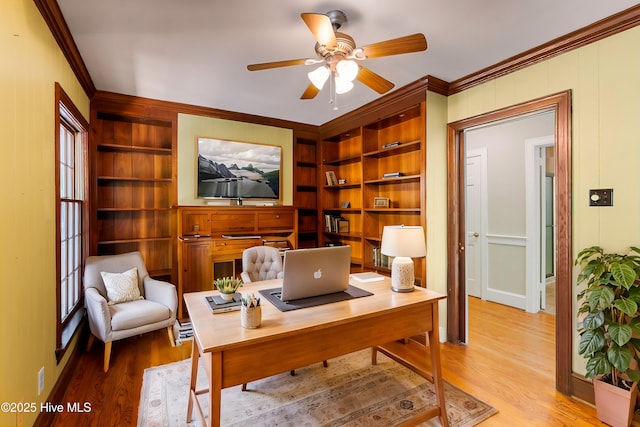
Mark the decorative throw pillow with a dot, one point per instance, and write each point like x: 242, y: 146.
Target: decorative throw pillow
x: 121, y: 287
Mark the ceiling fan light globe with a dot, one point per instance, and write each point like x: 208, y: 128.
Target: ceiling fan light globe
x: 319, y: 76
x: 347, y: 69
x: 342, y: 85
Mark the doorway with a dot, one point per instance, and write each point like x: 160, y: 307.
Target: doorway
x: 560, y: 104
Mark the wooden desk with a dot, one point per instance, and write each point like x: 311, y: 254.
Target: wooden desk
x: 294, y: 339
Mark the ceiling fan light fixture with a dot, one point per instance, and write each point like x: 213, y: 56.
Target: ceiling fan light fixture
x: 319, y: 76
x: 347, y: 69
x: 343, y: 85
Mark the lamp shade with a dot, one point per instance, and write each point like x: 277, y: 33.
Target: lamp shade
x: 319, y: 76
x: 403, y: 241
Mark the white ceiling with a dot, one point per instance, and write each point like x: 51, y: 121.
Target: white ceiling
x: 196, y: 51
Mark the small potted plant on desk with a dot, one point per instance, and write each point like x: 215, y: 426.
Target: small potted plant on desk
x: 250, y: 311
x: 609, y: 327
x: 227, y: 286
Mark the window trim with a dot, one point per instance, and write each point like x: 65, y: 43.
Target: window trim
x: 68, y: 115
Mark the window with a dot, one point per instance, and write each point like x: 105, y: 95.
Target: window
x: 71, y: 214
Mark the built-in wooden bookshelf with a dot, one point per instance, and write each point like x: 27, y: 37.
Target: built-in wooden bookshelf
x: 359, y: 158
x: 305, y: 194
x: 134, y: 185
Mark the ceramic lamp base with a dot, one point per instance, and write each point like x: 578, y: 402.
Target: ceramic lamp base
x: 402, y: 277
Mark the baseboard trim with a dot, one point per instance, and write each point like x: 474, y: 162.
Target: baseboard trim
x: 582, y: 388
x: 45, y: 418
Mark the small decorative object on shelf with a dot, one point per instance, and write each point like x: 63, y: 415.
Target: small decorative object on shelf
x: 343, y: 226
x: 250, y: 311
x: 331, y: 178
x: 342, y: 181
x: 345, y: 204
x: 391, y: 144
x: 392, y: 175
x: 227, y: 286
x: 381, y: 202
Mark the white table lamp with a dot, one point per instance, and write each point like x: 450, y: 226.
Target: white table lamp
x: 403, y: 243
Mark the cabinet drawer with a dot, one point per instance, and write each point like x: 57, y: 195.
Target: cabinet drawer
x: 232, y: 222
x: 229, y: 248
x: 275, y: 221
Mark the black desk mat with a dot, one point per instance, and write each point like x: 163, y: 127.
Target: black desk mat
x: 350, y: 293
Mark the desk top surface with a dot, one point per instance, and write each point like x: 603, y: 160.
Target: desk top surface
x: 223, y: 330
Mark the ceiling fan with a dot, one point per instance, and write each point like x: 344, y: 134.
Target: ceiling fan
x: 338, y: 54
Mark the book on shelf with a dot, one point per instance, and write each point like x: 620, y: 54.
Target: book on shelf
x: 391, y: 144
x: 392, y: 175
x: 335, y: 224
x: 367, y: 276
x: 219, y: 305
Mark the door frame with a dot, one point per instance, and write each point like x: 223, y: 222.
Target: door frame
x: 560, y: 103
x: 534, y: 188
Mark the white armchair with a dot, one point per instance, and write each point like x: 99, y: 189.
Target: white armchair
x: 261, y: 263
x: 110, y: 321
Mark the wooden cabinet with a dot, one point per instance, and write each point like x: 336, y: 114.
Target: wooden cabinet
x: 211, y: 241
x: 380, y: 173
x: 305, y: 197
x: 133, y: 185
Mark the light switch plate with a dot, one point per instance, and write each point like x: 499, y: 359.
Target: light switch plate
x: 601, y: 197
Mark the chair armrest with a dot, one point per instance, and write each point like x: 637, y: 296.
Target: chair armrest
x: 98, y: 314
x: 245, y: 277
x: 161, y: 292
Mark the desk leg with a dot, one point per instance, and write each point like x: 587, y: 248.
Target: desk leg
x: 195, y: 355
x: 434, y: 344
x: 215, y: 389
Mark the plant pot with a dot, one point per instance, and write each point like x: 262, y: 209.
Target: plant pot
x: 615, y: 405
x: 250, y: 317
x: 226, y: 296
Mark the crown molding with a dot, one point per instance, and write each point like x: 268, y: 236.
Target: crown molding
x: 599, y: 30
x: 52, y: 15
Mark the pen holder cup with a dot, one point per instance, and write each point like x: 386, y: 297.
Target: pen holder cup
x: 250, y: 317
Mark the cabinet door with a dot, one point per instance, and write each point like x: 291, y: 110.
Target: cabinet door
x: 197, y: 272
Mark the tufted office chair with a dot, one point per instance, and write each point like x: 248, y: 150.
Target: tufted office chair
x: 152, y: 307
x: 263, y: 263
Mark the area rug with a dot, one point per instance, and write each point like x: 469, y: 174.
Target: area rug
x: 350, y: 392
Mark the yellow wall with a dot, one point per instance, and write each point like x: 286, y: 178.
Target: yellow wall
x: 191, y: 127
x: 605, y: 81
x: 436, y: 199
x: 30, y: 64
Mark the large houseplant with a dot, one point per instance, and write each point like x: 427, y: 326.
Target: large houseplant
x: 609, y: 318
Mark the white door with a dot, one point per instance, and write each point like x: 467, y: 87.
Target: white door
x: 475, y: 177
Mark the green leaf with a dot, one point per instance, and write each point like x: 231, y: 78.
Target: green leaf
x: 623, y: 274
x: 593, y: 320
x: 597, y: 365
x: 619, y: 357
x: 600, y: 298
x: 633, y: 375
x: 627, y: 306
x: 591, y: 341
x: 635, y: 324
x: 620, y: 334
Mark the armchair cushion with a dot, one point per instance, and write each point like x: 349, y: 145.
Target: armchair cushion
x: 121, y: 287
x: 132, y: 314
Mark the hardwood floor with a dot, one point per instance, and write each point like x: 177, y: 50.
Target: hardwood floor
x: 508, y: 364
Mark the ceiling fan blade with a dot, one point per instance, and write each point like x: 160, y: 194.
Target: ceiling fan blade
x: 320, y: 26
x: 374, y: 81
x: 276, y: 64
x: 406, y: 44
x: 310, y: 92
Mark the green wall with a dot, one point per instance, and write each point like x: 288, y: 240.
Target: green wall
x: 31, y: 63
x: 191, y: 127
